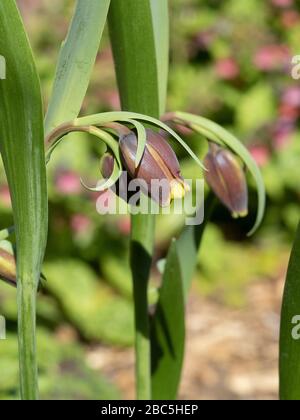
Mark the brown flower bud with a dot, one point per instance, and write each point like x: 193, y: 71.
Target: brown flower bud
x: 107, y: 165
x: 7, y: 267
x: 226, y: 178
x: 159, y: 163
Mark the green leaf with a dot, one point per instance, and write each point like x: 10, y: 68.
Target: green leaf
x: 214, y: 131
x: 76, y: 61
x: 56, y: 137
x: 22, y: 150
x: 5, y: 233
x: 108, y: 183
x: 178, y: 272
x: 188, y: 245
x: 168, y: 331
x: 289, y: 332
x: 142, y: 138
x: 160, y: 19
x: 132, y: 37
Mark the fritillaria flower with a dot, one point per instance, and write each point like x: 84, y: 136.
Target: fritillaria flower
x: 226, y: 178
x: 142, y: 161
x: 158, y: 173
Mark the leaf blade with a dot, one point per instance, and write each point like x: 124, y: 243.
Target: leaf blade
x: 160, y: 19
x: 22, y: 150
x: 135, y: 55
x: 168, y: 331
x: 76, y: 60
x: 290, y: 346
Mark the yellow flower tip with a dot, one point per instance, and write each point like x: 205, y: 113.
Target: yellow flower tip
x: 243, y: 213
x: 187, y: 188
x: 178, y: 189
x: 236, y: 215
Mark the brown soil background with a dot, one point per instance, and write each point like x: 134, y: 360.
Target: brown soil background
x: 231, y: 354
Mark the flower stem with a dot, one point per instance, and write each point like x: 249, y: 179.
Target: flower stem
x: 26, y: 295
x: 142, y: 238
x: 141, y: 61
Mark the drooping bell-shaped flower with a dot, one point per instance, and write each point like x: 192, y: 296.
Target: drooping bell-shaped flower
x: 226, y: 178
x: 158, y: 174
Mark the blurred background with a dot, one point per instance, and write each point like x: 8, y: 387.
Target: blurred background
x: 231, y: 62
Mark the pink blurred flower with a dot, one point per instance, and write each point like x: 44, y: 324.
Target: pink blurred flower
x: 227, y: 68
x: 80, y: 223
x: 124, y: 225
x: 272, y: 57
x: 283, y: 132
x: 290, y: 18
x: 112, y: 99
x: 288, y: 112
x: 291, y: 96
x: 281, y: 141
x: 204, y: 39
x: 282, y: 3
x: 68, y: 183
x: 28, y: 7
x: 5, y: 196
x: 260, y: 154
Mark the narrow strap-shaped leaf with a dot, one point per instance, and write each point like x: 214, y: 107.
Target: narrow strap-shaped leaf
x: 108, y: 183
x: 142, y: 138
x: 168, y: 331
x: 160, y: 19
x: 290, y: 329
x: 188, y: 245
x: 22, y: 150
x: 76, y: 61
x: 132, y: 37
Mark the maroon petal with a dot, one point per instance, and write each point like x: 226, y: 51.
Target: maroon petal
x: 107, y: 165
x: 165, y: 151
x: 148, y: 170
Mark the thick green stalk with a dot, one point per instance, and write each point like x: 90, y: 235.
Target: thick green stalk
x: 142, y: 239
x: 138, y: 60
x: 22, y: 150
x: 26, y: 298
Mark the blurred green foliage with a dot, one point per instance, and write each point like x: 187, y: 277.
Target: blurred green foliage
x: 231, y: 62
x: 63, y: 372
